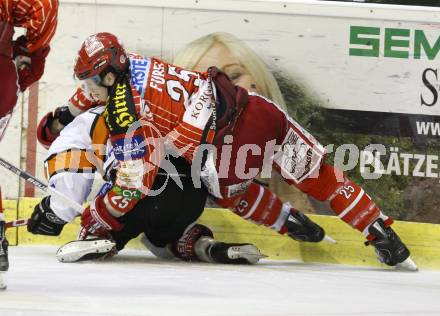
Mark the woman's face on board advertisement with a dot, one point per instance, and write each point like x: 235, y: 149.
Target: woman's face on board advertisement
x: 220, y: 56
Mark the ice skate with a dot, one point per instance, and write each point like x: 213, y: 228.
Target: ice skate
x: 213, y: 251
x: 301, y: 228
x: 87, y: 249
x: 389, y: 248
x: 4, y: 261
x: 3, y: 284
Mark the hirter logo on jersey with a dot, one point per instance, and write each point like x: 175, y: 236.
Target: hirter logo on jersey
x: 120, y: 111
x: 92, y: 45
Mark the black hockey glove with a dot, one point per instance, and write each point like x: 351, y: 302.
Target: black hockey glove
x: 43, y: 220
x: 63, y: 115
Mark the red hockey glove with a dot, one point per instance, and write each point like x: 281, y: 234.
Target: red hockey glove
x: 51, y: 125
x: 97, y: 221
x: 28, y: 74
x: 44, y: 133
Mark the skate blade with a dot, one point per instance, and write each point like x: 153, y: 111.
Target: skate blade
x: 329, y: 240
x: 248, y: 252
x: 3, y: 284
x: 407, y: 265
x: 78, y: 249
x: 258, y: 256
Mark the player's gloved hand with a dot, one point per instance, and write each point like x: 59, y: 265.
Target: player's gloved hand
x: 30, y: 73
x: 97, y: 221
x: 44, y: 221
x: 51, y: 125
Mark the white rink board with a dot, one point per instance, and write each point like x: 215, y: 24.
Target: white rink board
x: 135, y: 283
x: 309, y: 40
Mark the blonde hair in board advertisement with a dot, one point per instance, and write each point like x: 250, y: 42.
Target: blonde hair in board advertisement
x: 233, y: 56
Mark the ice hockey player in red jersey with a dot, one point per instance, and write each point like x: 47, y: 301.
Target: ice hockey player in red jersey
x: 22, y: 61
x: 167, y: 220
x: 243, y: 133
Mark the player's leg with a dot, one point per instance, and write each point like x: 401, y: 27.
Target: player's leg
x: 259, y: 128
x: 355, y: 207
x: 8, y: 78
x: 167, y: 221
x: 4, y: 261
x: 163, y: 216
x: 8, y: 82
x: 170, y: 229
x: 301, y: 162
x: 176, y: 207
x: 154, y: 215
x: 263, y: 207
x: 146, y: 215
x: 198, y: 244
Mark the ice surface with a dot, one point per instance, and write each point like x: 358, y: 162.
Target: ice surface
x: 136, y: 283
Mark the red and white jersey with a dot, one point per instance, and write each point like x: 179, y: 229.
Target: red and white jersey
x: 174, y: 104
x: 38, y: 17
x: 177, y: 101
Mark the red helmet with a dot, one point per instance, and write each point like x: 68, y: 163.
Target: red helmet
x: 97, y: 53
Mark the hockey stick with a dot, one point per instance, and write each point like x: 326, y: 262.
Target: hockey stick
x: 17, y: 223
x: 41, y: 185
x: 4, y: 121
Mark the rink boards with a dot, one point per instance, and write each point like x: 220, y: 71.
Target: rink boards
x: 422, y: 239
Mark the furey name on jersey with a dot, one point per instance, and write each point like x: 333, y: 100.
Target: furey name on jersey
x: 140, y: 72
